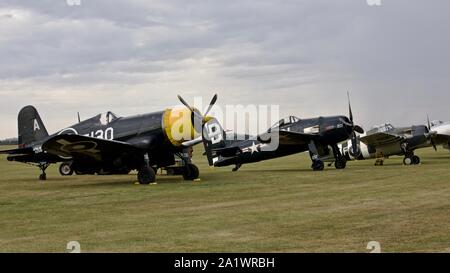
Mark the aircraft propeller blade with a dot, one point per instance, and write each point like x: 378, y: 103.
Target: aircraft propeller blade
x: 355, y: 146
x: 198, y: 115
x: 356, y: 129
x: 211, y: 104
x: 430, y: 134
x: 350, y: 107
x: 195, y: 112
x: 184, y: 103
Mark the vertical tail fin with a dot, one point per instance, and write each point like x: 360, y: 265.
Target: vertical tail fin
x: 213, y: 138
x: 31, y: 127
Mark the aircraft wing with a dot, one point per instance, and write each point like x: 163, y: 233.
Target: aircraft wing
x: 379, y: 139
x: 441, y: 139
x: 295, y: 138
x: 76, y: 146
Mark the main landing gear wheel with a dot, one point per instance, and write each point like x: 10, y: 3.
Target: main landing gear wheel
x: 65, y: 169
x: 414, y: 160
x: 340, y: 163
x: 318, y: 165
x: 191, y: 172
x: 146, y: 175
x: 407, y: 161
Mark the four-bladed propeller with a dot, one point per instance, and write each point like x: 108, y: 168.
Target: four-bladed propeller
x: 196, y: 113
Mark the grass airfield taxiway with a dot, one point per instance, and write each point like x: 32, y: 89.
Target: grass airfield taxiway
x: 273, y: 206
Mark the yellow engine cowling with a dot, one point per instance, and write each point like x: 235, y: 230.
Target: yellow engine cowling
x: 178, y: 124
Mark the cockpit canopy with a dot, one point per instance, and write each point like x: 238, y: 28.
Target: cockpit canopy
x: 435, y: 123
x: 286, y: 121
x: 107, y: 117
x: 384, y: 127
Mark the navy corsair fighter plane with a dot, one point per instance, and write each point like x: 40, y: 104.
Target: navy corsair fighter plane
x: 109, y: 144
x: 293, y: 135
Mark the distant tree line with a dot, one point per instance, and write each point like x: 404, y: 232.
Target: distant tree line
x: 9, y: 141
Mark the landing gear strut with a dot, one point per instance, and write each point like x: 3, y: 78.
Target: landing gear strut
x: 341, y: 161
x: 188, y: 170
x: 146, y: 174
x: 410, y: 158
x: 43, y: 167
x: 317, y: 164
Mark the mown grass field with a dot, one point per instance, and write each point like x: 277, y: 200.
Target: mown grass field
x: 274, y: 206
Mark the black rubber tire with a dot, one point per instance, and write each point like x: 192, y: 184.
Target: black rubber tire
x: 42, y: 177
x: 340, y: 163
x: 416, y: 160
x: 191, y: 172
x: 318, y: 166
x: 65, y: 169
x: 146, y: 175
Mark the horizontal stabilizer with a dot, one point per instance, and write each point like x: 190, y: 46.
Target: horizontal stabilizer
x: 20, y: 151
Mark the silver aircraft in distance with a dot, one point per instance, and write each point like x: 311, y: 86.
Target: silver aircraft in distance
x: 385, y: 141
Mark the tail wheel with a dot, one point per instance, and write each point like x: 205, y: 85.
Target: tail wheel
x: 65, y: 169
x: 146, y: 175
x: 318, y: 165
x: 191, y: 172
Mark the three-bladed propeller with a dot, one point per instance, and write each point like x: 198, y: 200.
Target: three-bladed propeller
x: 355, y: 129
x: 430, y: 134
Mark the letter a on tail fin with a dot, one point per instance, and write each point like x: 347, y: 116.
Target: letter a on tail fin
x: 31, y: 127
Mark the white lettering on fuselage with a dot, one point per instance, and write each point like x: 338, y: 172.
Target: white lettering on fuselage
x: 107, y: 134
x: 215, y: 133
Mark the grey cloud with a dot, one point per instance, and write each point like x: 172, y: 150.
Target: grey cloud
x: 135, y: 56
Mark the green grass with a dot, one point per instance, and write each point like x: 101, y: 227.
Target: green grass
x: 273, y: 206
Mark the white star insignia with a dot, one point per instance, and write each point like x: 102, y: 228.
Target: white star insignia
x: 254, y: 148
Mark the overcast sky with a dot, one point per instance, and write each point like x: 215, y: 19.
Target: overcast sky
x: 135, y: 56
